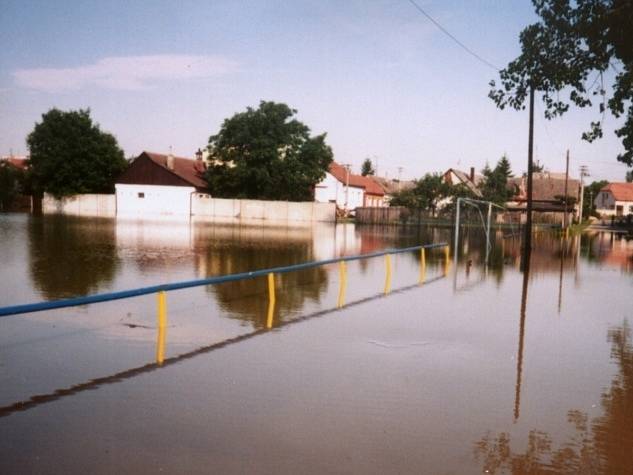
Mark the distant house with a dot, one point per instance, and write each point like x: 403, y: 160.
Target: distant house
x: 470, y: 180
x: 160, y: 185
x: 18, y: 162
x: 391, y: 186
x: 548, y: 191
x: 615, y: 199
x: 347, y: 190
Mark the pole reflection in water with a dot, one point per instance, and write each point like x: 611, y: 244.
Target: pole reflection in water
x: 524, y: 292
x: 342, y: 284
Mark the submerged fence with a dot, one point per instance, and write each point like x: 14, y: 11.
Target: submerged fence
x: 161, y: 289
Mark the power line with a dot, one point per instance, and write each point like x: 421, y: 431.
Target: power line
x: 447, y: 33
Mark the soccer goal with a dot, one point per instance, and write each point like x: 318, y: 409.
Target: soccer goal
x: 479, y: 214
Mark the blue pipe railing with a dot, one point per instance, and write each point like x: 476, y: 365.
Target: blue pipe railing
x: 124, y: 294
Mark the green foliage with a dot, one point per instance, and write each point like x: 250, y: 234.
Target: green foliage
x: 265, y: 153
x: 569, y: 50
x: 367, y: 168
x: 590, y: 193
x: 428, y: 193
x: 70, y: 155
x: 9, y: 185
x: 495, y: 184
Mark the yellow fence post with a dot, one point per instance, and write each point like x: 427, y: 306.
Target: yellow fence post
x: 422, y: 265
x: 342, y: 273
x: 271, y: 300
x: 162, y: 324
x: 388, y: 274
x: 447, y: 259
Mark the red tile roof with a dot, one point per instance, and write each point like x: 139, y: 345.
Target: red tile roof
x: 620, y: 191
x: 357, y: 181
x: 19, y: 163
x: 189, y: 170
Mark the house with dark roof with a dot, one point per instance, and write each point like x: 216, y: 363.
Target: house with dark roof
x: 548, y: 191
x: 160, y: 185
x: 391, y: 186
x: 348, y: 190
x: 471, y: 180
x: 615, y: 199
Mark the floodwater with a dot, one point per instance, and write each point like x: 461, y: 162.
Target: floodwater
x: 483, y: 370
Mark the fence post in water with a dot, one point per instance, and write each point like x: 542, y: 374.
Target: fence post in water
x: 162, y: 309
x: 271, y: 300
x: 422, y: 265
x: 342, y: 273
x: 162, y: 323
x: 447, y: 259
x: 388, y: 274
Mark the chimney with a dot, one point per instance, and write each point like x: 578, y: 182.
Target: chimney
x: 472, y: 174
x: 170, y: 161
x: 199, y: 155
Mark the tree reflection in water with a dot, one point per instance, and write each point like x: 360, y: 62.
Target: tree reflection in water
x: 70, y: 257
x: 247, y: 300
x: 603, y: 445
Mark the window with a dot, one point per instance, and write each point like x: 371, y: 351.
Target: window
x: 141, y: 195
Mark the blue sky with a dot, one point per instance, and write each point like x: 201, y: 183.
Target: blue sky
x: 377, y: 76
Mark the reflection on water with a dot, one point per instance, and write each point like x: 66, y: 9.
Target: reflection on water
x: 601, y: 445
x: 71, y: 257
x: 509, y: 361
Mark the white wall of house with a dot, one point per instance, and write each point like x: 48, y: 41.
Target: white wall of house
x: 607, y: 205
x: 330, y: 190
x: 153, y: 200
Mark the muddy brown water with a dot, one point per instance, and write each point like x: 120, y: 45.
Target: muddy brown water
x: 482, y: 370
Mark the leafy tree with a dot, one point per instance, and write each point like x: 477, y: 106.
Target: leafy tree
x: 266, y: 153
x: 569, y: 50
x: 590, y: 193
x: 70, y: 154
x: 9, y: 185
x: 495, y: 184
x: 428, y: 193
x: 629, y: 176
x: 538, y: 168
x: 367, y: 168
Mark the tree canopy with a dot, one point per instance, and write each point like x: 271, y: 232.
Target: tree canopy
x: 9, y: 185
x: 266, y: 153
x: 70, y: 154
x: 570, y: 52
x: 367, y: 168
x: 428, y: 193
x: 495, y: 184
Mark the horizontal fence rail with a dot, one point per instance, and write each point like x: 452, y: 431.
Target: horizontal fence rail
x: 124, y: 294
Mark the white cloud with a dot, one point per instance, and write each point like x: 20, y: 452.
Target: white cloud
x: 124, y: 72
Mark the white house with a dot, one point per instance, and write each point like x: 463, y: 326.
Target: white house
x: 615, y: 199
x: 347, y: 190
x: 156, y: 185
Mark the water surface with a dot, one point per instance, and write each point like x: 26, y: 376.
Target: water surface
x: 486, y: 369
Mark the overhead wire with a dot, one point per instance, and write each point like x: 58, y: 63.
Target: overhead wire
x: 451, y: 36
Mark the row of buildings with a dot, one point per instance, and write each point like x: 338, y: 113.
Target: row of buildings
x: 164, y: 184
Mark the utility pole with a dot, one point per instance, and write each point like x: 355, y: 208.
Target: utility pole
x: 527, y: 249
x: 565, y: 199
x: 584, y: 171
x: 399, y: 177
